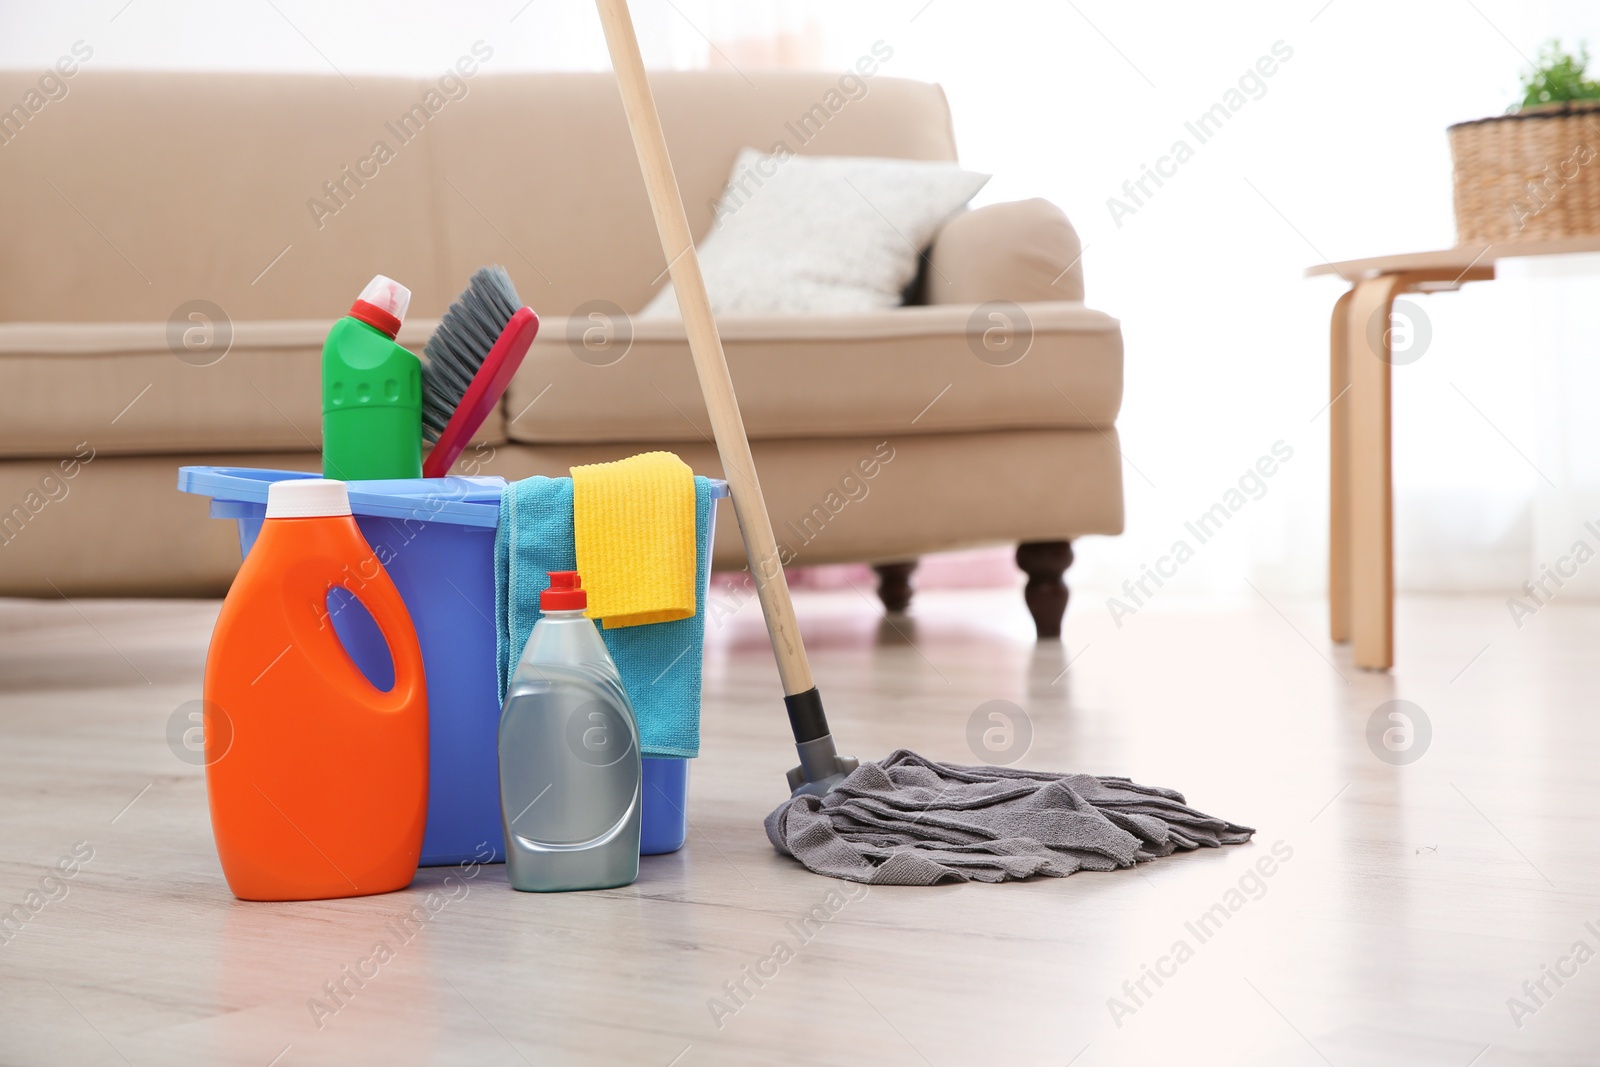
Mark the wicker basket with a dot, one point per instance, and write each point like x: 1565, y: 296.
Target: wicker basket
x: 1534, y: 175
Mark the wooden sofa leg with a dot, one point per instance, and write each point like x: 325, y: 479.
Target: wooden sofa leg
x: 894, y: 585
x: 1044, y: 562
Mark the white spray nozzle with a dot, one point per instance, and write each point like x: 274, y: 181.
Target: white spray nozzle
x: 386, y: 294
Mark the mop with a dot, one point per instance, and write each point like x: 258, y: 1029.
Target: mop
x: 905, y: 820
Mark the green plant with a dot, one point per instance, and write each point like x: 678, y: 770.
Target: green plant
x: 1558, y: 77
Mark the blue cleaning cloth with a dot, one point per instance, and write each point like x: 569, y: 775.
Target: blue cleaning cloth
x: 659, y: 662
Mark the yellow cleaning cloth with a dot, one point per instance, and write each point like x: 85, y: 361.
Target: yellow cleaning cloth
x: 633, y: 528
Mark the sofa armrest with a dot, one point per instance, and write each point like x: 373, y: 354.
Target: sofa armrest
x: 1021, y: 251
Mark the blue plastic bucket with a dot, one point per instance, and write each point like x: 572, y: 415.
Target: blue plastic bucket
x: 437, y: 539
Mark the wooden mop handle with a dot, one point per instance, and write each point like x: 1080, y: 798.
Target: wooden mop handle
x: 727, y: 425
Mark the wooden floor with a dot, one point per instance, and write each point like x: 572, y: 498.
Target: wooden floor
x: 1415, y: 900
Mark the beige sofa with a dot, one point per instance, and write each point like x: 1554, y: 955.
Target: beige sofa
x: 175, y: 245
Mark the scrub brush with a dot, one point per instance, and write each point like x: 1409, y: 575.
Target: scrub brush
x: 471, y: 357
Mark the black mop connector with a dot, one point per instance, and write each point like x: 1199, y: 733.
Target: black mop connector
x: 821, y: 767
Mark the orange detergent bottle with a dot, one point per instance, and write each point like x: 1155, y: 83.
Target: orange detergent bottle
x: 318, y: 780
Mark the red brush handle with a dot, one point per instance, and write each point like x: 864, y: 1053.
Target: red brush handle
x: 487, y: 387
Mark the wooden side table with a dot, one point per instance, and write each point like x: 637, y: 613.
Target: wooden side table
x: 1360, y: 487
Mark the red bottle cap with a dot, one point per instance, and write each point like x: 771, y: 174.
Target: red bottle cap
x: 565, y: 593
x: 376, y: 317
x: 382, y: 305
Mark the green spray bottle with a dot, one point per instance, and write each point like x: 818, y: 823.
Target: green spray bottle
x: 371, y: 391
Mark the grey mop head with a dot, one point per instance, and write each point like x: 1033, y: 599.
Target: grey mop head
x: 459, y: 346
x: 911, y: 821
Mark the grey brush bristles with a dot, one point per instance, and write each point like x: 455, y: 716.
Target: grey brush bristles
x: 459, y: 346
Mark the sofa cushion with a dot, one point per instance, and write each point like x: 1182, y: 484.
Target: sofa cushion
x: 136, y: 388
x: 149, y: 189
x: 119, y: 527
x: 122, y: 388
x: 268, y: 194
x: 538, y: 171
x: 917, y: 370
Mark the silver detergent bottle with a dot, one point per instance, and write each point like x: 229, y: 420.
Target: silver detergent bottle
x: 571, y: 781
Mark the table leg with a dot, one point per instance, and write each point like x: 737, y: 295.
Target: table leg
x: 1371, y: 490
x: 1339, y: 472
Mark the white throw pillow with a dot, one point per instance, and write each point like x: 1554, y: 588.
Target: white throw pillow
x: 806, y: 235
